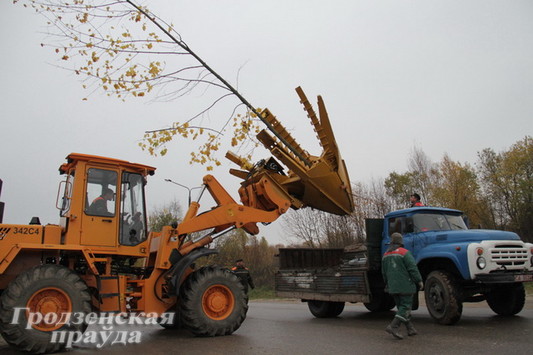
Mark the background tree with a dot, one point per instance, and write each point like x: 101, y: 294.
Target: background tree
x: 423, y: 174
x: 255, y: 251
x: 507, y: 179
x: 316, y: 229
x: 164, y: 216
x: 399, y: 187
x: 419, y: 178
x: 457, y: 187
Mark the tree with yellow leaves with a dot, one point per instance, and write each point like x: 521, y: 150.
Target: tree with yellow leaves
x: 126, y: 51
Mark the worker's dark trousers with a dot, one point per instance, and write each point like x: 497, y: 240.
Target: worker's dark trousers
x: 404, y: 303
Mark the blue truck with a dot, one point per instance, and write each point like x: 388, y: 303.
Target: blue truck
x: 457, y: 264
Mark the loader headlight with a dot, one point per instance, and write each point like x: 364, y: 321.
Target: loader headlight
x: 481, y: 262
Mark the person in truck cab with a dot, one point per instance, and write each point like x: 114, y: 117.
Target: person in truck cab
x: 402, y: 280
x: 415, y: 200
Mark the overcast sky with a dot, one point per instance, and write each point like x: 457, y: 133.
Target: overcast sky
x: 448, y: 77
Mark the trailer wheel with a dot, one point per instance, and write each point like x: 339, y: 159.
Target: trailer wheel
x: 507, y: 300
x: 442, y: 296
x: 213, y: 302
x: 49, y: 290
x: 325, y: 309
x: 381, y: 302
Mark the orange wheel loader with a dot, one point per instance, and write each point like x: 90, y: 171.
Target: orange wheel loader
x: 100, y: 259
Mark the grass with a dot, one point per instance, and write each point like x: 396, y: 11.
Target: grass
x: 262, y: 292
x: 529, y: 287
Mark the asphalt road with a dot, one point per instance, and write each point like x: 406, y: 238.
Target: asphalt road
x: 289, y: 328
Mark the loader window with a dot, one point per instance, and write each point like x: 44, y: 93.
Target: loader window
x: 132, y: 211
x: 64, y: 196
x: 101, y: 188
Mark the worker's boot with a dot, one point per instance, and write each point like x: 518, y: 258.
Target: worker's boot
x: 410, y: 328
x: 394, y: 328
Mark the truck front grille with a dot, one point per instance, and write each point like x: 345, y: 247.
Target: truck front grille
x: 509, y: 255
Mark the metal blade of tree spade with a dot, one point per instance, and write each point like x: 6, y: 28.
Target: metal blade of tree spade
x: 320, y: 182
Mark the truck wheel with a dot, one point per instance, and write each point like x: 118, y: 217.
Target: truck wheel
x: 325, y: 309
x: 381, y: 302
x: 212, y: 302
x: 49, y: 290
x: 507, y: 300
x: 443, y: 298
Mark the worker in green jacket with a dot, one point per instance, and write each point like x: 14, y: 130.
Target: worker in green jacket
x: 402, y: 280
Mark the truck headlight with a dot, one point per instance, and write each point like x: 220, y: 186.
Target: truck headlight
x: 481, y: 262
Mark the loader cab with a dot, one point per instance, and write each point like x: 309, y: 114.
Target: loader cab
x: 105, y: 205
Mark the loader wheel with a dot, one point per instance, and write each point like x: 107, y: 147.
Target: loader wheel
x: 325, y: 309
x: 212, y: 302
x: 48, y: 290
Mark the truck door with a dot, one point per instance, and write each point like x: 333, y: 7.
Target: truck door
x: 132, y: 210
x: 99, y: 226
x: 404, y: 226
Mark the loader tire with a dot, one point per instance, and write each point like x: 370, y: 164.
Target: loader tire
x: 50, y: 290
x: 212, y: 302
x: 325, y: 309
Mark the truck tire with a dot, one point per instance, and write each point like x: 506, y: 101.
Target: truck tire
x: 325, y: 309
x: 45, y: 289
x: 442, y: 296
x: 381, y: 302
x: 507, y: 300
x: 212, y: 302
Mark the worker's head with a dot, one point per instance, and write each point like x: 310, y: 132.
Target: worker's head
x: 396, y: 238
x: 415, y: 197
x: 239, y: 262
x: 108, y: 194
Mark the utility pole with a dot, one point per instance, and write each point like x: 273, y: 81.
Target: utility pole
x: 1, y: 204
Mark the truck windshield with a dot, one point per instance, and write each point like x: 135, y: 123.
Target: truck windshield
x: 436, y: 221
